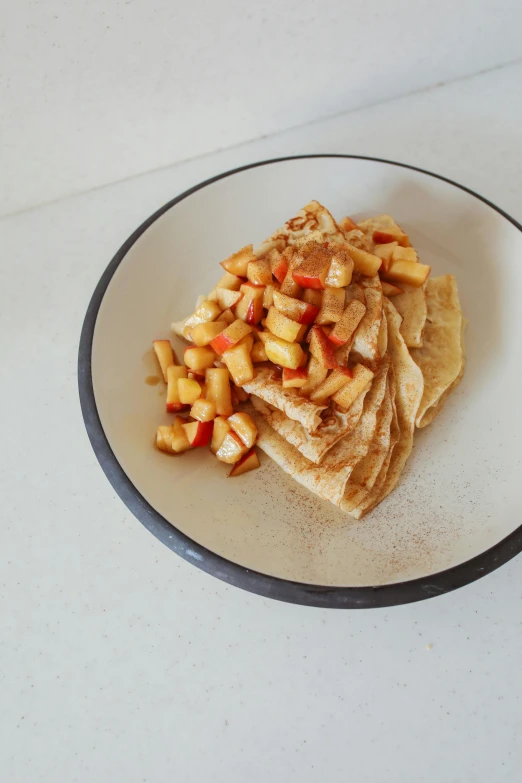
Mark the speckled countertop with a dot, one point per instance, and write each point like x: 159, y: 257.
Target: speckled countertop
x: 121, y: 662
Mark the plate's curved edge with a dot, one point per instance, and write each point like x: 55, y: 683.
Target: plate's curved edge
x: 220, y: 567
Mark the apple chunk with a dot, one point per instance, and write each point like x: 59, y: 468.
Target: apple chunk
x: 198, y: 359
x: 164, y: 439
x: 259, y: 272
x: 294, y: 379
x: 248, y: 462
x: 278, y: 265
x: 348, y: 323
x: 237, y: 264
x: 385, y: 253
x: 409, y: 272
x: 189, y: 390
x: 218, y: 390
x: 164, y: 354
x: 203, y: 334
x: 282, y: 326
x: 250, y: 307
x: 332, y: 307
x: 283, y: 353
x: 226, y: 298
x: 390, y: 290
x: 315, y: 375
x: 203, y: 410
x: 335, y: 381
x: 221, y: 427
x: 313, y: 270
x: 207, y: 311
x: 366, y: 263
x: 322, y: 349
x: 347, y: 395
x: 174, y: 374
x: 198, y: 432
x: 230, y: 336
x: 302, y: 312
x: 232, y: 448
x: 347, y: 224
x: 404, y: 254
x: 341, y: 269
x: 258, y: 353
x: 239, y: 363
x: 245, y: 428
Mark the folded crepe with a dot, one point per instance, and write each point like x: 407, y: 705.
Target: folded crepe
x: 266, y: 384
x: 413, y: 308
x: 369, y: 468
x: 409, y: 386
x: 441, y: 358
x: 313, y: 217
x: 366, y: 339
x: 329, y: 479
x: 334, y: 425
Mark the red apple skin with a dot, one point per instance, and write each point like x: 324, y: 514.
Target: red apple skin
x: 280, y: 269
x: 383, y: 237
x: 174, y: 407
x: 203, y: 434
x: 220, y: 344
x: 308, y: 282
x: 246, y: 457
x: 291, y: 375
x: 309, y: 315
x: 326, y: 346
x: 336, y: 341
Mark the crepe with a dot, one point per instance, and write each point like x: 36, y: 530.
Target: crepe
x: 409, y: 386
x: 335, y: 424
x: 441, y: 357
x: 313, y: 217
x: 329, y: 479
x: 413, y: 308
x: 368, y: 469
x: 266, y: 384
x: 366, y: 338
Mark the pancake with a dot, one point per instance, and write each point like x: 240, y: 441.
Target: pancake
x: 442, y: 354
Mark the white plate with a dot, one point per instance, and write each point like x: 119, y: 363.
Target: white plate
x: 459, y: 500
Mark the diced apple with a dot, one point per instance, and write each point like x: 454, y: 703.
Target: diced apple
x: 390, y: 234
x: 347, y: 224
x: 247, y: 462
x: 232, y: 448
x: 207, y: 311
x: 228, y: 316
x: 341, y: 270
x: 346, y: 326
x: 242, y: 395
x: 268, y: 296
x: 385, y: 252
x: 221, y: 427
x: 198, y: 359
x: 189, y: 390
x: 283, y: 353
x: 321, y: 348
x: 366, y: 263
x: 237, y: 264
x: 164, y: 438
x: 278, y: 264
x: 245, y: 428
x: 259, y: 272
x: 346, y: 396
x: 258, y: 353
x: 230, y: 336
x: 227, y: 298
x: 218, y: 390
x: 203, y: 334
x: 232, y: 282
x: 332, y: 307
x: 390, y: 290
x: 164, y: 354
x: 335, y: 381
x: 179, y: 440
x: 196, y: 376
x: 289, y: 286
x: 315, y: 375
x: 282, y: 326
x: 239, y: 363
x: 250, y: 307
x: 174, y: 374
x: 198, y: 432
x: 405, y: 254
x: 313, y: 270
x: 313, y: 297
x: 203, y: 410
x: 294, y: 379
x: 301, y: 312
x: 247, y: 340
x: 412, y: 273
x: 178, y: 327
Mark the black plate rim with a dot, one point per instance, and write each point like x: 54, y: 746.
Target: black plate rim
x: 216, y: 565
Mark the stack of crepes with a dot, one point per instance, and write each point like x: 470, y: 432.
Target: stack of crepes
x: 414, y: 345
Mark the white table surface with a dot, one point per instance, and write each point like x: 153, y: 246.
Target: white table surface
x: 121, y: 662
